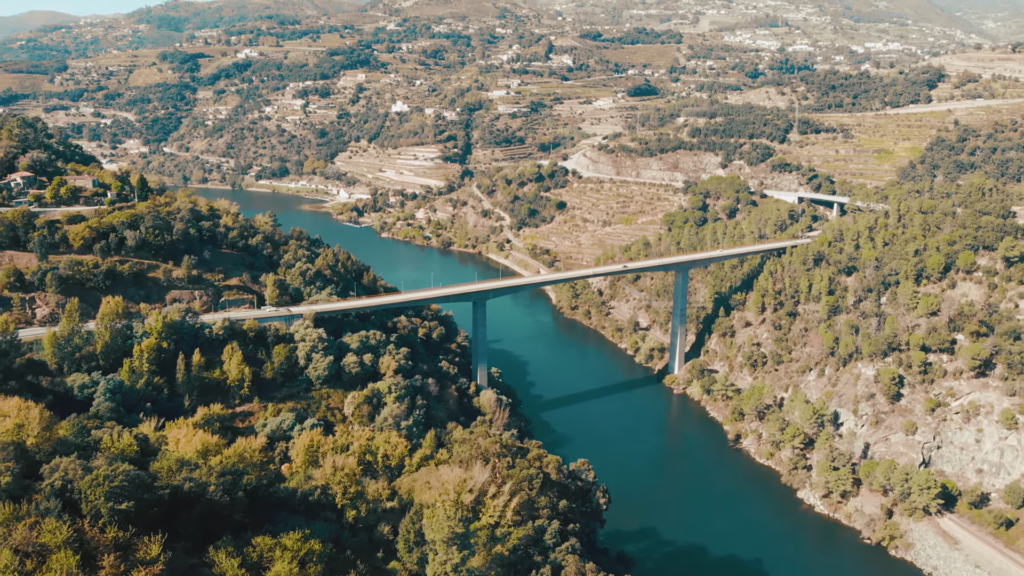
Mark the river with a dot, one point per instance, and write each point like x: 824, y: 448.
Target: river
x: 683, y: 500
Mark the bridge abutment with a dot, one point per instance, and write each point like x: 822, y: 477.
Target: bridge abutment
x: 677, y: 346
x: 479, y: 342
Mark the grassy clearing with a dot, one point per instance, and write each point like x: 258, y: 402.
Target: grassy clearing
x: 25, y: 82
x: 660, y: 56
x: 151, y: 75
x: 881, y: 144
x: 602, y: 215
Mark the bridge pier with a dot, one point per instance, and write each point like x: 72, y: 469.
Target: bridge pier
x: 677, y: 346
x: 479, y: 342
x: 835, y: 209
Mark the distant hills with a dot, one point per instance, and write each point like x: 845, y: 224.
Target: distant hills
x: 33, y: 19
x: 921, y: 11
x: 181, y: 15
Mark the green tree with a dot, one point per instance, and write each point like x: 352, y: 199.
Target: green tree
x: 142, y: 188
x: 977, y: 358
x: 928, y: 305
x: 924, y: 494
x: 890, y: 384
x: 236, y: 371
x: 63, y: 348
x: 909, y: 427
x: 1010, y: 251
x: 116, y: 495
x: 142, y: 369
x: 112, y: 337
x: 53, y: 191
x: 277, y: 290
x: 965, y: 261
x: 10, y: 348
x: 834, y: 470
x: 1013, y: 495
x: 27, y: 425
x: 188, y: 267
x: 1008, y: 419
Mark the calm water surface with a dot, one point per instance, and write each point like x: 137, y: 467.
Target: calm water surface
x: 683, y: 501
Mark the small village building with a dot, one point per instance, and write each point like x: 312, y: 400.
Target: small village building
x: 87, y: 182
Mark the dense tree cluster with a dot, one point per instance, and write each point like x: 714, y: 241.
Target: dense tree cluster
x: 208, y: 246
x: 635, y: 36
x: 524, y: 191
x: 736, y: 131
x: 836, y: 91
x: 182, y: 62
x: 751, y: 153
x: 951, y: 156
x: 43, y: 68
x: 29, y: 144
x: 156, y: 445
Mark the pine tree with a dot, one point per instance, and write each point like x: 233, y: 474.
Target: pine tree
x: 112, y: 336
x: 63, y: 348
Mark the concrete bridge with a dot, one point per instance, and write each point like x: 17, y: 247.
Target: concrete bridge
x: 478, y: 293
x: 835, y: 201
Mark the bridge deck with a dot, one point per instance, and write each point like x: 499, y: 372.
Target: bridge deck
x: 477, y: 291
x: 782, y: 195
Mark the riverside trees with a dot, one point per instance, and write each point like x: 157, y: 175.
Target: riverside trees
x: 156, y: 445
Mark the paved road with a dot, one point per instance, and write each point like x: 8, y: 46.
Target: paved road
x: 934, y: 107
x: 64, y: 209
x: 1001, y: 560
x: 479, y: 290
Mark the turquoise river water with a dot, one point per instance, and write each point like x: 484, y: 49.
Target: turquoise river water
x: 683, y: 500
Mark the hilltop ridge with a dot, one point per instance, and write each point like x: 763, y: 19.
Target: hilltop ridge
x: 33, y: 19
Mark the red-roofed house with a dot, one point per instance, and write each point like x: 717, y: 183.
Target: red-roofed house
x: 19, y: 182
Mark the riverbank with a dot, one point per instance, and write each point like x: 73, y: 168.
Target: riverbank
x: 942, y: 545
x: 858, y: 515
x: 285, y: 190
x: 655, y: 451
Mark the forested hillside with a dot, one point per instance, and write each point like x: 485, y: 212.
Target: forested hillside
x: 354, y: 445
x: 894, y: 332
x: 29, y: 144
